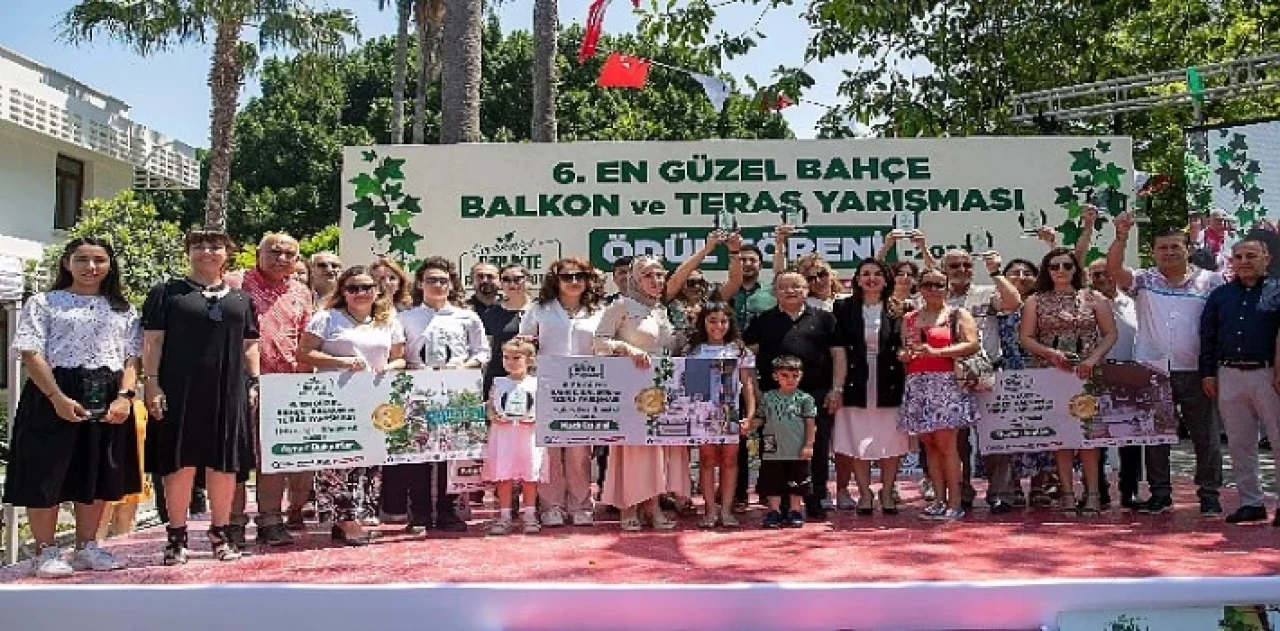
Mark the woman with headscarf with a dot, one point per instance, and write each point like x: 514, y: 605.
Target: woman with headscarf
x: 637, y: 326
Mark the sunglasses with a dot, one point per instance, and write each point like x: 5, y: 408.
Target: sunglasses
x: 329, y: 265
x: 359, y: 288
x: 933, y: 284
x: 437, y: 281
x: 1061, y: 267
x: 513, y: 279
x: 959, y: 265
x: 1102, y: 274
x: 1020, y: 273
x: 214, y: 310
x: 818, y: 276
x: 695, y: 282
x: 574, y: 277
x: 208, y: 247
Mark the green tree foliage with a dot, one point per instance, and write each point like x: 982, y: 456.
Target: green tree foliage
x: 287, y: 170
x: 149, y: 248
x: 934, y: 67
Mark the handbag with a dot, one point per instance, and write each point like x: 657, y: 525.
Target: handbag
x: 976, y: 373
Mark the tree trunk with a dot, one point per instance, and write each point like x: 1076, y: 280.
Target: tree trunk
x: 225, y: 78
x: 460, y: 80
x: 545, y: 27
x: 429, y: 17
x: 399, y: 71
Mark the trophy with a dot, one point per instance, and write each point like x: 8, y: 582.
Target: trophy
x: 1032, y: 221
x: 725, y: 220
x: 515, y: 405
x: 978, y: 239
x: 787, y: 218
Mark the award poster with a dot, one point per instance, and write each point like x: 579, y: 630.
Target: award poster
x: 1046, y: 409
x: 465, y: 477
x: 607, y: 400
x: 344, y: 419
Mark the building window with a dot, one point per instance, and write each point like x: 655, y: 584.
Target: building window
x: 69, y: 186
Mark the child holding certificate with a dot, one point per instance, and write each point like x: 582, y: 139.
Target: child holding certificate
x: 511, y: 455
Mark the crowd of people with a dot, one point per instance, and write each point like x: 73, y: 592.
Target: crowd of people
x: 857, y: 375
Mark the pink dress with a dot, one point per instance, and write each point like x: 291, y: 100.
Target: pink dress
x: 512, y: 453
x: 638, y: 473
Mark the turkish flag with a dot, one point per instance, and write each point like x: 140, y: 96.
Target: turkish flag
x: 775, y: 101
x: 623, y: 71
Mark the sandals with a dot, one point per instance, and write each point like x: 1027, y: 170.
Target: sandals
x: 175, y: 549
x: 1067, y: 503
x: 888, y: 503
x: 223, y: 550
x: 660, y: 522
x: 728, y: 520
x: 710, y: 520
x: 631, y: 524
x: 1091, y: 506
x: 866, y: 504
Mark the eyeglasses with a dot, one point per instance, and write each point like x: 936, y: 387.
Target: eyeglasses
x: 485, y: 277
x: 818, y: 275
x: 328, y: 265
x: 513, y: 279
x: 574, y: 277
x: 933, y: 284
x: 435, y: 280
x: 208, y: 247
x: 965, y: 265
x: 360, y: 288
x: 1062, y: 267
x: 695, y: 282
x: 1098, y: 274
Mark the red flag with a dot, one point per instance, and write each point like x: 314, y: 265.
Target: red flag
x: 595, y: 24
x: 623, y: 71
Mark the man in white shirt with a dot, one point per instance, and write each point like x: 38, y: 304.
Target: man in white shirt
x: 984, y: 302
x: 1169, y: 299
x: 1124, y: 310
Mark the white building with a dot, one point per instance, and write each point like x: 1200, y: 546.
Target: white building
x: 62, y: 142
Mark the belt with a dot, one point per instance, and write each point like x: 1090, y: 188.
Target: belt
x: 1246, y: 364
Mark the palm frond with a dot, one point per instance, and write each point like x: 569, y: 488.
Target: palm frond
x: 145, y: 26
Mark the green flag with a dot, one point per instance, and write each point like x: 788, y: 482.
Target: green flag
x: 1195, y: 84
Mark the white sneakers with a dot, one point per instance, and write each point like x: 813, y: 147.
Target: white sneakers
x: 584, y: 518
x: 51, y: 563
x: 554, y: 517
x: 91, y: 557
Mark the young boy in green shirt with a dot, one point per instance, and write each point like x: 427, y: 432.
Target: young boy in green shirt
x: 788, y: 416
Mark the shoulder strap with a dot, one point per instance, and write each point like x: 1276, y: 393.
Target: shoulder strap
x: 954, y: 322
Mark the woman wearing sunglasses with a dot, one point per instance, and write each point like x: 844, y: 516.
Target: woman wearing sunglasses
x: 356, y: 331
x: 1071, y: 328
x: 200, y: 383
x: 934, y: 406
x: 562, y: 323
x: 502, y: 320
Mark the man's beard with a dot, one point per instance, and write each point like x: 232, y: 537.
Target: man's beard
x: 487, y: 289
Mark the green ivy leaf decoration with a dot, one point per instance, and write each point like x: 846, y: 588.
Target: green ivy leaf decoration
x: 382, y: 207
x: 1237, y: 171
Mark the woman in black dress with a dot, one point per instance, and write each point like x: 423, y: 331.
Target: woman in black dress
x: 200, y: 382
x: 502, y: 320
x: 74, y: 434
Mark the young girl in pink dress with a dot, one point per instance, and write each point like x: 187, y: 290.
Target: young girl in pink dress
x: 512, y: 455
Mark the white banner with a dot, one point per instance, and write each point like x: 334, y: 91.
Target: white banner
x: 607, y: 400
x: 1045, y: 409
x: 465, y: 477
x: 533, y: 203
x: 345, y: 419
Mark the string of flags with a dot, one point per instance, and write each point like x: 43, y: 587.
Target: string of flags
x: 621, y: 70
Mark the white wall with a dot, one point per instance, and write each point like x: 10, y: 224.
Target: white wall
x: 27, y: 163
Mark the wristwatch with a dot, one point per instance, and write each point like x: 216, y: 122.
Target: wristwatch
x: 995, y: 273
x: 127, y: 394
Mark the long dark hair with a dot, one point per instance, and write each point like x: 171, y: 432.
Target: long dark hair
x: 441, y: 264
x: 550, y: 290
x: 698, y: 336
x: 111, y: 288
x: 382, y: 307
x: 1044, y: 282
x: 885, y: 293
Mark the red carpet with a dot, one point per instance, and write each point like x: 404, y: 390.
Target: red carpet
x: 1022, y: 545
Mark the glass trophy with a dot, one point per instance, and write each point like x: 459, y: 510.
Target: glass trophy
x: 1031, y: 221
x: 905, y: 221
x: 515, y: 404
x: 98, y: 388
x: 979, y: 239
x: 795, y: 218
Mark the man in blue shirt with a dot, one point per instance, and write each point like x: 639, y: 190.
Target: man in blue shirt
x: 1238, y: 331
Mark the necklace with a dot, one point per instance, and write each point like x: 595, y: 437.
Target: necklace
x: 215, y: 288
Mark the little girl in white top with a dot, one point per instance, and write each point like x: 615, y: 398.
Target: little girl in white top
x: 715, y: 336
x: 511, y: 454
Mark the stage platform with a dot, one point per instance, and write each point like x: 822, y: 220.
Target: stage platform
x: 883, y: 572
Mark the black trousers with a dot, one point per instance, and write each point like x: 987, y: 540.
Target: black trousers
x: 396, y: 482
x: 427, y: 484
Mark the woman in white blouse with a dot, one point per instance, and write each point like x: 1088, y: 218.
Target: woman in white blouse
x: 357, y: 331
x: 74, y: 436
x: 637, y: 326
x: 562, y: 323
x: 439, y: 333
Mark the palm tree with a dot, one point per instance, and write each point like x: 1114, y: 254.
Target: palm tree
x: 429, y: 18
x: 149, y: 26
x: 399, y: 70
x: 460, y: 81
x: 545, y: 28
